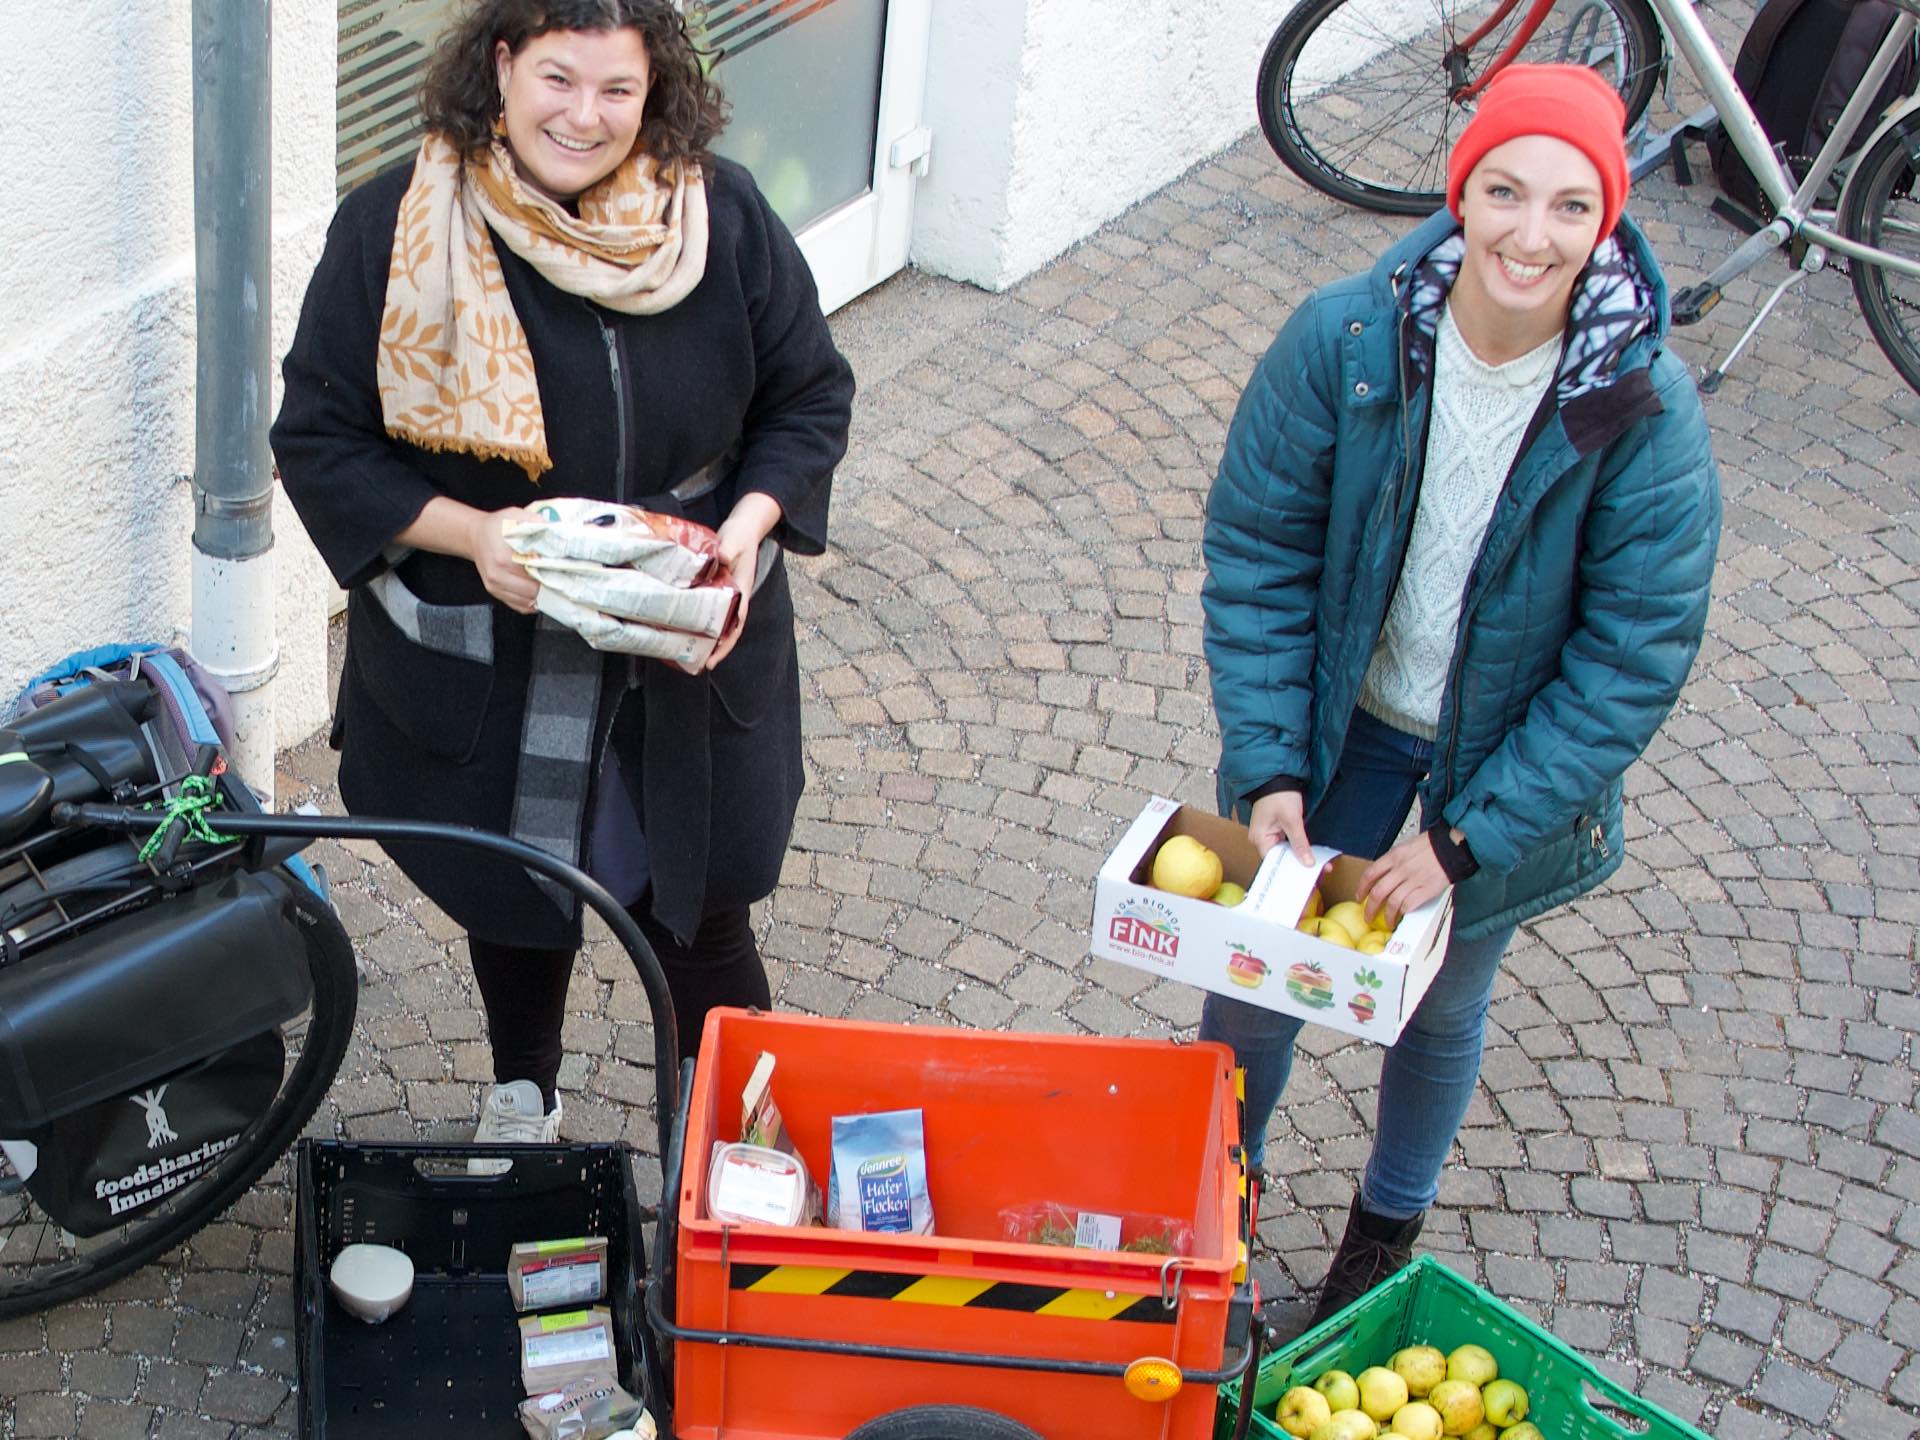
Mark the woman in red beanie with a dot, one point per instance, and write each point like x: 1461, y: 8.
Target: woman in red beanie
x: 1458, y: 553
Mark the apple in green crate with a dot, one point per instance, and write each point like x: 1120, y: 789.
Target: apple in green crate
x: 1483, y: 1431
x: 1416, y: 1420
x: 1339, y: 1388
x: 1302, y: 1410
x: 1525, y: 1430
x: 1421, y: 1366
x: 1458, y: 1402
x: 1382, y: 1392
x: 1506, y: 1403
x: 1347, y: 1425
x: 1472, y: 1363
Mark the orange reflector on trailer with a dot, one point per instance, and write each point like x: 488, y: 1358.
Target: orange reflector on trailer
x: 1151, y: 1378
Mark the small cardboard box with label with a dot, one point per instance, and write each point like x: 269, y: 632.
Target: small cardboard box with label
x: 1252, y: 951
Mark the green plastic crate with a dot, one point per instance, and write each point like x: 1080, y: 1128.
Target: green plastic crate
x: 1427, y: 1304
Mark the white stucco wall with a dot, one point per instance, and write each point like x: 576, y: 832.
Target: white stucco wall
x: 97, y: 330
x: 1050, y: 117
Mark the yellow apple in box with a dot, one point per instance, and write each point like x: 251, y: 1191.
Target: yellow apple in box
x: 1506, y: 1402
x: 1416, y: 1420
x: 1421, y: 1366
x: 1347, y: 1425
x: 1316, y: 905
x: 1458, y: 1402
x: 1302, y: 1411
x: 1475, y: 1365
x: 1349, y: 917
x: 1229, y: 894
x: 1374, y: 944
x: 1183, y: 866
x: 1339, y: 1388
x: 1381, y: 1392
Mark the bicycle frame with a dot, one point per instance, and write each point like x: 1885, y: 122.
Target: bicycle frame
x: 1793, y: 213
x: 1792, y: 206
x: 1536, y: 16
x: 1794, y: 217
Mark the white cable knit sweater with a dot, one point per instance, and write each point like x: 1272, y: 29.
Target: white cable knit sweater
x: 1480, y: 415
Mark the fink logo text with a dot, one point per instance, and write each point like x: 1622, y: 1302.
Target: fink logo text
x: 1146, y: 928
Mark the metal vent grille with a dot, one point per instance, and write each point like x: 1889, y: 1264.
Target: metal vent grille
x: 384, y: 47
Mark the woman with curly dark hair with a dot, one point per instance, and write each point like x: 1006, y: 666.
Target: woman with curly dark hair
x: 683, y: 111
x: 566, y: 294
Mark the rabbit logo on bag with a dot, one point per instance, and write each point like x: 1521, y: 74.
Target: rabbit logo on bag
x: 159, y: 1129
x: 1146, y: 928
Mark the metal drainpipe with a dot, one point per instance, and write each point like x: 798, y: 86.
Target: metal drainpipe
x: 233, y: 595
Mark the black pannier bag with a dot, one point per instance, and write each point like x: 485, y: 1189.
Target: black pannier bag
x: 134, y: 1054
x: 1798, y: 66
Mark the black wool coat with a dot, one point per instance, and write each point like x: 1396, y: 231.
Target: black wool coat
x: 742, y: 372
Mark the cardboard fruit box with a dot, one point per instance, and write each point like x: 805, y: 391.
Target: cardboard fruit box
x: 1253, y: 951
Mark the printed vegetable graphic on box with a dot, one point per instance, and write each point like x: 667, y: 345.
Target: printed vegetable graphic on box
x: 1310, y: 985
x: 1362, y: 1004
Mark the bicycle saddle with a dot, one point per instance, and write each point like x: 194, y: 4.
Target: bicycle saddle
x: 26, y: 790
x: 78, y: 747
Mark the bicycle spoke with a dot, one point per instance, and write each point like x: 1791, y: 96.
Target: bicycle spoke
x: 41, y: 1263
x: 1883, y: 211
x: 1356, y: 95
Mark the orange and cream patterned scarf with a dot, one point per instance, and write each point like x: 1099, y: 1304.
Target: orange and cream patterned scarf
x: 453, y: 368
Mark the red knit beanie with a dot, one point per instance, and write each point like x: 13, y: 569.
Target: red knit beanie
x: 1568, y: 102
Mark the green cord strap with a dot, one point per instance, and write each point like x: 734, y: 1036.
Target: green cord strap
x: 189, y: 807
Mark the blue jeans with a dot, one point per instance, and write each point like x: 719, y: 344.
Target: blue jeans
x: 1427, y: 1078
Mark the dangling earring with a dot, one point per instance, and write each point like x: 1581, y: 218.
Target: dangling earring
x: 500, y: 117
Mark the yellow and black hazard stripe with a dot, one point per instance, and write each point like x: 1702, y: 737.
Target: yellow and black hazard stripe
x: 952, y: 1291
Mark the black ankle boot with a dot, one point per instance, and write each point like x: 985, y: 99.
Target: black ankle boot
x: 1373, y: 1248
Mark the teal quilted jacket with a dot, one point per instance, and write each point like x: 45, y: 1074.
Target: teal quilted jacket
x: 1584, y: 609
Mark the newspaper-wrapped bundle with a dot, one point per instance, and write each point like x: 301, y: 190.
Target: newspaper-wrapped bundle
x: 627, y: 580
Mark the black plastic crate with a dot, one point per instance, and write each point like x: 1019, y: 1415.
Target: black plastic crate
x: 449, y: 1362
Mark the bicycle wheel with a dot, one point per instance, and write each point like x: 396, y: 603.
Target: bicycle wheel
x: 1356, y: 95
x: 42, y: 1265
x: 1881, y: 209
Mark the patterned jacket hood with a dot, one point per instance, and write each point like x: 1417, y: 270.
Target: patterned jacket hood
x: 1616, y: 319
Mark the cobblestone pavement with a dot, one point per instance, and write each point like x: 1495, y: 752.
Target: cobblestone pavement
x: 1694, y: 1154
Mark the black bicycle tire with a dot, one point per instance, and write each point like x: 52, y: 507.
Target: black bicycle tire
x: 1871, y: 188
x: 335, y: 1000
x: 1279, y: 123
x: 943, y: 1422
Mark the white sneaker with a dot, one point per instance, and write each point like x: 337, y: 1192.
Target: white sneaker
x: 513, y: 1114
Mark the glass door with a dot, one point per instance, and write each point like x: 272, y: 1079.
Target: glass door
x: 826, y: 98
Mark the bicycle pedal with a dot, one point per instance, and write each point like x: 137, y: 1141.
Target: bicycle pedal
x: 1690, y: 305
